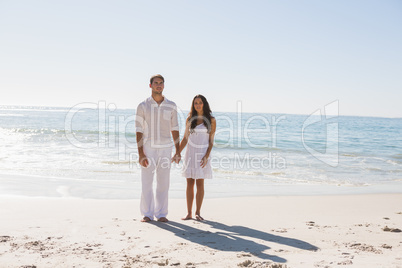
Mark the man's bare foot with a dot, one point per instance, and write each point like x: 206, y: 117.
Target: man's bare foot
x: 188, y: 217
x: 199, y: 218
x: 146, y: 219
x: 163, y: 219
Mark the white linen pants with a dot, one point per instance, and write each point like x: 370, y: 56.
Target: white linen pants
x: 159, y: 162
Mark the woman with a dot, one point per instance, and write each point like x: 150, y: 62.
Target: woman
x: 199, y: 134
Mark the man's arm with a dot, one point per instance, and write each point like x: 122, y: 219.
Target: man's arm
x: 142, y: 158
x: 139, y: 125
x: 174, y: 124
x: 176, y: 139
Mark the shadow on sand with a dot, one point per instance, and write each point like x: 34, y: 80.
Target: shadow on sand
x: 234, y: 238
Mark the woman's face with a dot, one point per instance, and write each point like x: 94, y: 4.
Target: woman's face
x: 198, y: 105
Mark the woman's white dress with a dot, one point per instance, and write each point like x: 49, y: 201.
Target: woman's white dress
x: 197, y: 146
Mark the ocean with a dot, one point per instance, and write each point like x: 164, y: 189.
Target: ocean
x: 89, y: 151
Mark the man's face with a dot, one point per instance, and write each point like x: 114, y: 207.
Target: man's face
x: 157, y: 86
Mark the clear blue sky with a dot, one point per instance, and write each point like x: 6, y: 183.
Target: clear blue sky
x: 273, y: 56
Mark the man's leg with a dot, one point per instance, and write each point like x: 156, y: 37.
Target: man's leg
x: 147, y: 204
x: 163, y: 183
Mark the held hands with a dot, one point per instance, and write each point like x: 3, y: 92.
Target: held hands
x: 204, y: 161
x: 144, y: 161
x: 176, y: 158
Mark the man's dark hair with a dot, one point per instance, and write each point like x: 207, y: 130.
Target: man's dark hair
x: 157, y: 76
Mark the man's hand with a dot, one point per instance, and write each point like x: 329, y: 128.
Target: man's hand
x: 143, y: 160
x: 176, y: 158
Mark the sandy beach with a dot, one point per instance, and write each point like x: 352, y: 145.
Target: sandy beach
x: 273, y: 231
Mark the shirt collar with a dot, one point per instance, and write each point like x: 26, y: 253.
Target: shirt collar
x: 153, y: 101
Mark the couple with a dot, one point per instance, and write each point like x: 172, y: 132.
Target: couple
x: 156, y: 122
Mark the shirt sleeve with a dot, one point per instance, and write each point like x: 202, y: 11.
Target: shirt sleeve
x: 174, y: 123
x: 139, y: 119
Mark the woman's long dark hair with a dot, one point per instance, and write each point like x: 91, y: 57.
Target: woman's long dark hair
x: 193, y: 116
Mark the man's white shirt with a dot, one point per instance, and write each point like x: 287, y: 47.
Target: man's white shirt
x: 156, y: 122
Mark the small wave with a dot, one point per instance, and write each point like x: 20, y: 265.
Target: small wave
x: 113, y: 171
x: 272, y: 149
x: 245, y: 147
x: 116, y: 162
x: 33, y: 109
x: 63, y: 131
x: 12, y: 115
x: 37, y: 131
x: 277, y: 173
x: 375, y: 169
x: 247, y: 172
x: 349, y: 155
x: 393, y: 162
x: 96, y: 132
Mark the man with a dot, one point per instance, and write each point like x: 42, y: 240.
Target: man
x: 156, y: 120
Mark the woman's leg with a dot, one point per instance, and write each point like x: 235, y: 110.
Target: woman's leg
x: 199, y: 198
x: 189, y: 198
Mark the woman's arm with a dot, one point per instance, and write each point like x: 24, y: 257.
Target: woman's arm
x: 184, y: 141
x: 211, y: 142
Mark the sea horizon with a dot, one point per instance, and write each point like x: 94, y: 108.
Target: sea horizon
x: 44, y: 107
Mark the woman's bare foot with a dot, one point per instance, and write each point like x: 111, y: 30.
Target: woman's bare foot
x: 199, y: 218
x: 188, y: 217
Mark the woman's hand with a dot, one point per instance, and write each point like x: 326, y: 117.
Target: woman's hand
x: 204, y: 161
